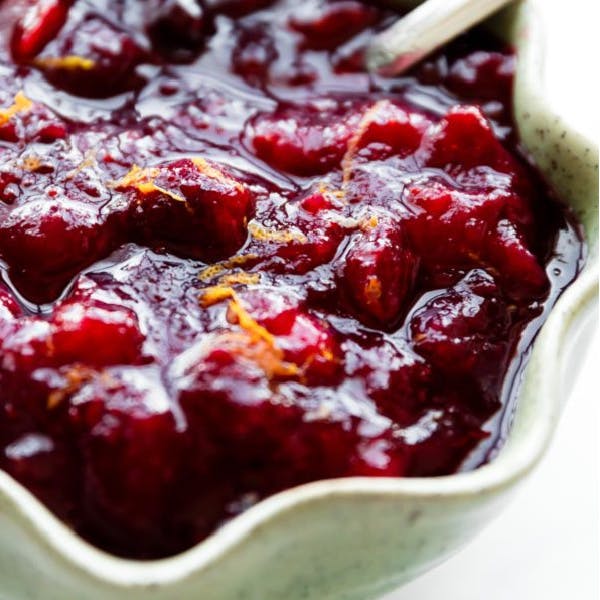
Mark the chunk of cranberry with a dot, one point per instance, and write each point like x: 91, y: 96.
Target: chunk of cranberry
x: 190, y: 206
x: 131, y: 454
x: 303, y: 141
x: 379, y: 272
x: 47, y: 467
x: 229, y: 398
x: 462, y: 220
x: 464, y: 330
x: 392, y: 126
x: 310, y: 343
x: 304, y: 235
x: 464, y: 139
x: 38, y: 26
x: 95, y: 335
x: 24, y: 345
x: 475, y: 233
x: 9, y: 184
x: 397, y: 380
x: 24, y: 354
x: 518, y: 268
x: 48, y: 240
x: 450, y: 425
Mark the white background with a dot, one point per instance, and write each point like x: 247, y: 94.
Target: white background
x: 545, y: 546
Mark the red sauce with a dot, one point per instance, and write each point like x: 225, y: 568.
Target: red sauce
x: 233, y: 262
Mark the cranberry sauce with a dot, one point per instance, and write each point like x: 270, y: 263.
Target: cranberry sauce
x: 233, y: 262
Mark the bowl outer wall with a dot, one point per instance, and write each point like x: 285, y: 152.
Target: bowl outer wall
x: 351, y: 538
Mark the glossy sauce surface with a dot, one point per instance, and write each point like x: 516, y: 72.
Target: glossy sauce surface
x: 233, y: 262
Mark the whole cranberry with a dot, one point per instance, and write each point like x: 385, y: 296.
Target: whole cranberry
x: 48, y: 240
x: 94, y: 59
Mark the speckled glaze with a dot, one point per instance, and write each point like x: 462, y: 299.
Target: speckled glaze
x: 349, y: 539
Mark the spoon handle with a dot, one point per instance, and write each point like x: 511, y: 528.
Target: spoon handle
x: 423, y: 30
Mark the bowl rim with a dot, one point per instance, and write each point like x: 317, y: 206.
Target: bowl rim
x: 513, y: 462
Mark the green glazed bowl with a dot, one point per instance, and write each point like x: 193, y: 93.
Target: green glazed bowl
x: 353, y: 538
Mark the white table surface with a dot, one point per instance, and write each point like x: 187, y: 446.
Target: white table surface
x: 545, y: 546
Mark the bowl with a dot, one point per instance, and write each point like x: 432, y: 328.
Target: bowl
x: 352, y: 538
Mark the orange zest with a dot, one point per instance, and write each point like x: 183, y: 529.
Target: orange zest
x: 266, y: 234
x: 255, y: 342
x: 212, y: 271
x: 31, y: 163
x: 369, y: 223
x: 215, y: 294
x: 352, y: 147
x: 242, y: 278
x: 75, y: 377
x: 89, y: 160
x: 71, y: 62
x: 372, y: 290
x: 143, y: 181
x: 21, y: 104
x: 326, y: 190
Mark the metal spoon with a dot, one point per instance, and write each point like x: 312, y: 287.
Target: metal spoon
x: 423, y: 30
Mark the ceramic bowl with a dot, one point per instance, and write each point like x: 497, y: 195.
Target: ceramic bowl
x: 353, y: 538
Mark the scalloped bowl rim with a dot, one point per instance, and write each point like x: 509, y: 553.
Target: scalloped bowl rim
x: 512, y: 463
